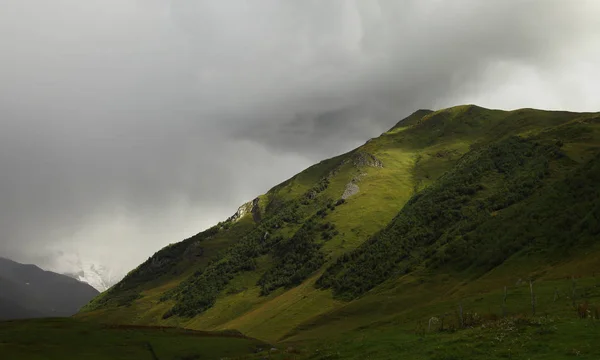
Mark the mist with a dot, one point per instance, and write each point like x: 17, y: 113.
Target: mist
x: 128, y: 125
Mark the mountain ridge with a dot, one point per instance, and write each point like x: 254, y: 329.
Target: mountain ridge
x: 301, y: 251
x: 29, y: 291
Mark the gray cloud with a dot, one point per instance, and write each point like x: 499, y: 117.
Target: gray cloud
x: 129, y: 124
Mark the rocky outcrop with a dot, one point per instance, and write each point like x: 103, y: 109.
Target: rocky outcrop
x: 358, y: 159
x: 241, y: 211
x: 249, y: 207
x: 362, y: 159
x: 352, y: 187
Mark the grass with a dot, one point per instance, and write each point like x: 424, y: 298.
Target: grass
x: 64, y: 339
x: 393, y: 322
x: 382, y: 325
x: 540, y: 337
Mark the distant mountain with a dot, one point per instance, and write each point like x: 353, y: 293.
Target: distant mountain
x: 27, y: 291
x: 98, y: 276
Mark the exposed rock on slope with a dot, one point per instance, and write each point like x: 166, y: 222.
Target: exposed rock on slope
x: 251, y: 207
x: 351, y: 189
x: 361, y: 158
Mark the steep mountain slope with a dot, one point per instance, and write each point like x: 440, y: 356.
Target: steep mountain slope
x: 27, y: 291
x: 446, y: 205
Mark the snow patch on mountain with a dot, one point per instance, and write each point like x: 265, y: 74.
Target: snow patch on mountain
x: 98, y: 276
x: 86, y: 270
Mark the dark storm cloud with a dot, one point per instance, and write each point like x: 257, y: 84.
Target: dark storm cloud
x: 129, y: 124
x: 410, y: 55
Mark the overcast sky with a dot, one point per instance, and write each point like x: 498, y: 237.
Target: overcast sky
x: 126, y: 125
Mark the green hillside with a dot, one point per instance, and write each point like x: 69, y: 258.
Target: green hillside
x: 457, y: 208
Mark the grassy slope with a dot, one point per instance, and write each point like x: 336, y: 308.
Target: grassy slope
x: 65, y: 339
x: 393, y: 320
x: 415, y: 153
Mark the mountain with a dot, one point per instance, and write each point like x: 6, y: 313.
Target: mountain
x: 26, y: 291
x: 98, y: 276
x: 451, y: 208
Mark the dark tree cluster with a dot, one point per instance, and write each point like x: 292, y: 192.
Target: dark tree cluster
x: 295, y: 259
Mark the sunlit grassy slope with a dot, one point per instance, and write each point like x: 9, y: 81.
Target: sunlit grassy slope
x: 455, y: 204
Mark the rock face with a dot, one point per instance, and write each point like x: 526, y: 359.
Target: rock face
x: 351, y: 189
x: 362, y: 159
x: 249, y: 207
x: 241, y: 211
x: 256, y: 215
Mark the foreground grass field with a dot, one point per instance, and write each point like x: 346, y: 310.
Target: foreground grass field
x: 64, y: 339
x: 566, y: 324
x: 556, y: 332
x: 543, y: 337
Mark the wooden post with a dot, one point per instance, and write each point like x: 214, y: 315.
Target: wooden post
x: 555, y: 294
x: 532, y: 297
x: 573, y: 290
x: 462, y: 323
x: 504, y: 303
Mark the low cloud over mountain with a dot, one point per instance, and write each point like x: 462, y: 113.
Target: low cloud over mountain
x: 127, y: 125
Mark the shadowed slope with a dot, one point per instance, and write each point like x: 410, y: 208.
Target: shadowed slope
x: 28, y: 291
